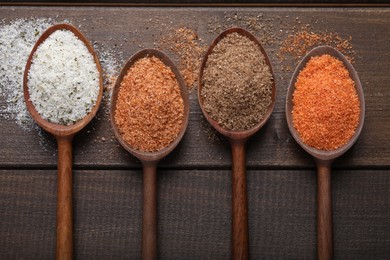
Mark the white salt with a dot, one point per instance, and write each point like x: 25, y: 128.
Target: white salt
x: 16, y: 41
x: 63, y: 79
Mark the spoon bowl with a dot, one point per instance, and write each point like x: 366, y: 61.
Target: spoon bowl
x: 322, y: 154
x: 58, y: 129
x: 232, y: 135
x: 64, y: 135
x: 237, y: 141
x: 324, y: 158
x: 150, y: 160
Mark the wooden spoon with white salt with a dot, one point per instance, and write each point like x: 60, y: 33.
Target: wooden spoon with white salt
x: 64, y: 135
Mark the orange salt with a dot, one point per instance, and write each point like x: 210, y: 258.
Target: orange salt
x: 149, y: 111
x: 325, y: 104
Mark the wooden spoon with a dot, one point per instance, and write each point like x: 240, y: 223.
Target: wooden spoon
x: 150, y: 160
x: 323, y: 158
x: 237, y: 141
x: 64, y: 136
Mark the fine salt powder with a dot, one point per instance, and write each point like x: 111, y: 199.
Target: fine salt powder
x: 63, y: 79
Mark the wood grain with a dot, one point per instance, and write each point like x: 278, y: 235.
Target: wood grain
x: 194, y: 182
x: 110, y: 26
x: 194, y: 214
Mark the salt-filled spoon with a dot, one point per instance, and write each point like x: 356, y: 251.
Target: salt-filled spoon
x: 150, y: 160
x: 237, y: 141
x: 64, y: 135
x: 324, y: 158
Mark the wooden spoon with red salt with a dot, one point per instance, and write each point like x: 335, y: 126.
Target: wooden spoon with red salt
x: 150, y: 160
x: 237, y: 141
x: 324, y: 158
x: 64, y: 135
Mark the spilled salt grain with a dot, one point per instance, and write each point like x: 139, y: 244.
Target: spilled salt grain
x: 302, y: 41
x: 111, y: 61
x: 186, y: 44
x: 16, y: 41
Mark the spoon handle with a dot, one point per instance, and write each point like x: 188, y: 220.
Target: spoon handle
x: 324, y: 225
x: 149, y: 225
x: 239, y: 203
x: 64, y: 200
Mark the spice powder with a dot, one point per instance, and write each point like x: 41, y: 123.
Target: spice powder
x: 325, y: 104
x: 150, y: 110
x: 236, y: 83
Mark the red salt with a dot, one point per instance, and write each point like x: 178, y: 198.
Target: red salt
x: 325, y: 104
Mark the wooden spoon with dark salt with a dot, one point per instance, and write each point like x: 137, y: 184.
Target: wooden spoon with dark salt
x: 150, y: 160
x: 324, y: 158
x: 237, y: 139
x: 64, y: 135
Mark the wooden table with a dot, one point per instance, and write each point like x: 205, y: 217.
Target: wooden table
x: 194, y: 182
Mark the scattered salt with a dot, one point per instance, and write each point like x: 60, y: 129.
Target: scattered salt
x: 16, y: 41
x: 111, y: 66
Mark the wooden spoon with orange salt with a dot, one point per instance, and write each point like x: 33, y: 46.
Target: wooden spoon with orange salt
x: 324, y: 158
x: 149, y: 160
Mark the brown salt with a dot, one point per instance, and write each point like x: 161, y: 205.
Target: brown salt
x: 325, y: 104
x: 236, y: 83
x: 149, y: 110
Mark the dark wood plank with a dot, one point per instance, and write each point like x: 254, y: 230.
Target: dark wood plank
x: 194, y: 214
x: 195, y: 180
x: 205, y: 2
x: 273, y: 146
